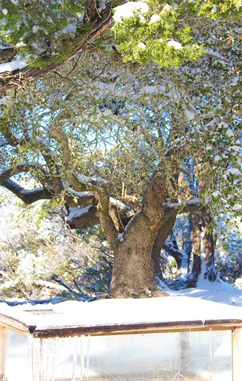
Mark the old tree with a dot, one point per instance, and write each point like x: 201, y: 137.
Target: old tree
x: 141, y: 125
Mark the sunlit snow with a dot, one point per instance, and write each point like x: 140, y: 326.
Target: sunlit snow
x: 13, y: 65
x: 141, y: 45
x: 154, y: 18
x: 129, y: 9
x: 175, y: 44
x: 233, y: 171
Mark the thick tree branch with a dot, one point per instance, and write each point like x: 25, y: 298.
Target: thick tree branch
x: 28, y: 196
x: 81, y: 183
x: 6, y: 52
x: 81, y: 218
x: 19, y: 168
x: 74, y: 198
x: 163, y: 232
x: 104, y: 216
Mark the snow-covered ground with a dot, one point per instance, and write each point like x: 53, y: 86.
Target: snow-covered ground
x: 218, y: 291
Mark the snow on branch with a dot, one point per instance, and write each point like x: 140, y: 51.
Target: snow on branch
x: 74, y: 198
x: 19, y: 168
x: 13, y: 65
x: 185, y: 207
x: 28, y: 196
x: 81, y: 218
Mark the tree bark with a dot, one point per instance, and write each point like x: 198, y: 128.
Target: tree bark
x: 196, y: 249
x: 162, y: 235
x: 209, y: 243
x: 133, y: 271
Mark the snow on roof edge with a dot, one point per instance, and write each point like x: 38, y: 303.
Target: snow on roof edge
x: 117, y: 315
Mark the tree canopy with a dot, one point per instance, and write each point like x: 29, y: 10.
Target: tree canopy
x: 37, y: 37
x: 125, y: 144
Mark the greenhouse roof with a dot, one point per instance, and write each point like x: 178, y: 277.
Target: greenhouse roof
x: 121, y: 316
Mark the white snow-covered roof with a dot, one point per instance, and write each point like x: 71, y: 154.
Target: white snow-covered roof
x: 120, y: 315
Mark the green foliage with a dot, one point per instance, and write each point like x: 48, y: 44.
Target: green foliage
x: 154, y: 31
x: 38, y: 245
x: 37, y: 26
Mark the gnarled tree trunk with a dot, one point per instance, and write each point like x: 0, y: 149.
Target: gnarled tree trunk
x: 162, y: 235
x: 133, y: 268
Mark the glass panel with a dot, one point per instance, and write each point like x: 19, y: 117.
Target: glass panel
x: 16, y: 363
x: 191, y: 356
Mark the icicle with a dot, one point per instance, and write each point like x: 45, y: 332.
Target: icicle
x: 88, y: 352
x: 37, y: 360
x: 63, y: 345
x: 53, y: 365
x: 41, y: 362
x: 49, y: 359
x: 30, y: 358
x: 210, y: 346
x: 203, y: 322
x: 74, y: 358
x: 82, y: 356
x: 190, y: 337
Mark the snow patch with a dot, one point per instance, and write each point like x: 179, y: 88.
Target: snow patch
x: 167, y: 7
x: 17, y: 64
x: 4, y: 11
x: 3, y: 47
x: 229, y: 133
x: 3, y: 100
x: 141, y: 45
x: 36, y: 46
x: 129, y: 9
x: 233, y: 171
x: 35, y: 28
x: 154, y: 18
x: 175, y: 44
x: 70, y: 28
x: 20, y: 44
x: 77, y: 211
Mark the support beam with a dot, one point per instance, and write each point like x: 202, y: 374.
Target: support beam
x: 237, y: 354
x: 2, y: 352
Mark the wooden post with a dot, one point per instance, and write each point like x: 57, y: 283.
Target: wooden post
x: 237, y: 354
x: 2, y: 352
